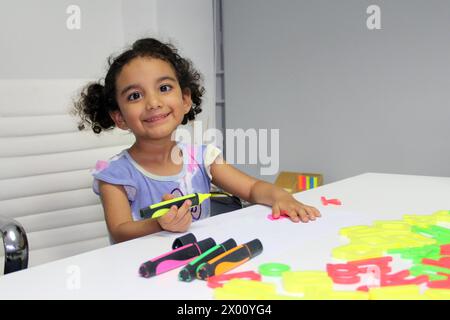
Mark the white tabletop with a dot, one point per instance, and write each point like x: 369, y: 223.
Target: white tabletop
x: 112, y: 272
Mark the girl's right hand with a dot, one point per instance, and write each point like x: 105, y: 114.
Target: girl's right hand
x: 177, y: 219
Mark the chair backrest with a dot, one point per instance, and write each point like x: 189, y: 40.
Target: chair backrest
x: 45, y: 163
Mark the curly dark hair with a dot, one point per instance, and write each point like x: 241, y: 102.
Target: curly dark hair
x: 97, y: 100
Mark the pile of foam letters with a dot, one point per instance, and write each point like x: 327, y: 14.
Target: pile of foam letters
x: 368, y: 267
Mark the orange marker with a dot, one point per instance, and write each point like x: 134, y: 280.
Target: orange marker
x: 229, y: 259
x: 301, y: 182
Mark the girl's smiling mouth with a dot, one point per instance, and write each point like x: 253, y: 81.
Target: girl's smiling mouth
x: 156, y: 118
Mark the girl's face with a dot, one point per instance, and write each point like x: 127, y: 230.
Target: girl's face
x: 150, y: 99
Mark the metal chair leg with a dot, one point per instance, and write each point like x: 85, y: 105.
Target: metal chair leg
x: 16, y: 245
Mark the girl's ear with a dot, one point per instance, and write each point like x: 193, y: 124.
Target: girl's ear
x: 117, y: 117
x: 187, y: 100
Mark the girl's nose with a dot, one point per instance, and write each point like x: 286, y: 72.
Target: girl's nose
x: 153, y: 102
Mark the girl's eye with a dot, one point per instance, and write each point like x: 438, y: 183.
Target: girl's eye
x: 165, y: 88
x: 134, y: 96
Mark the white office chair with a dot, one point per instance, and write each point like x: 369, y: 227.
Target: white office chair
x: 45, y: 183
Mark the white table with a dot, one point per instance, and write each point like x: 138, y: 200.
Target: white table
x: 112, y: 272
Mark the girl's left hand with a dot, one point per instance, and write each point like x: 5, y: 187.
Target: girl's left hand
x: 294, y: 209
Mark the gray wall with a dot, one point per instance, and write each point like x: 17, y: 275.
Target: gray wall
x: 347, y: 100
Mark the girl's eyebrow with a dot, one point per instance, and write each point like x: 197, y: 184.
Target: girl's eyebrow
x: 164, y: 78
x: 136, y: 86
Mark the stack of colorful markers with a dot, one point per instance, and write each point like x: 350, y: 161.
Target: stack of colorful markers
x: 307, y: 182
x: 201, y: 259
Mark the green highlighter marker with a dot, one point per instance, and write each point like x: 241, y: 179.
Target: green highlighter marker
x: 159, y: 209
x: 189, y: 272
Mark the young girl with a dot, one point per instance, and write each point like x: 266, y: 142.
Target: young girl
x: 150, y: 90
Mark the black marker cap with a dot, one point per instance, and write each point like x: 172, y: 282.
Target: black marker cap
x: 183, y: 240
x: 143, y: 271
x: 204, y: 271
x: 229, y: 244
x: 206, y: 244
x: 255, y: 247
x: 186, y: 273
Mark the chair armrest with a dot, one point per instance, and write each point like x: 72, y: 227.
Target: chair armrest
x: 16, y: 245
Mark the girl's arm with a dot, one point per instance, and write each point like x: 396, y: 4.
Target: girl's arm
x: 119, y: 218
x: 252, y: 190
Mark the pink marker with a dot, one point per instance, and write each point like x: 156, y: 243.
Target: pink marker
x: 175, y: 258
